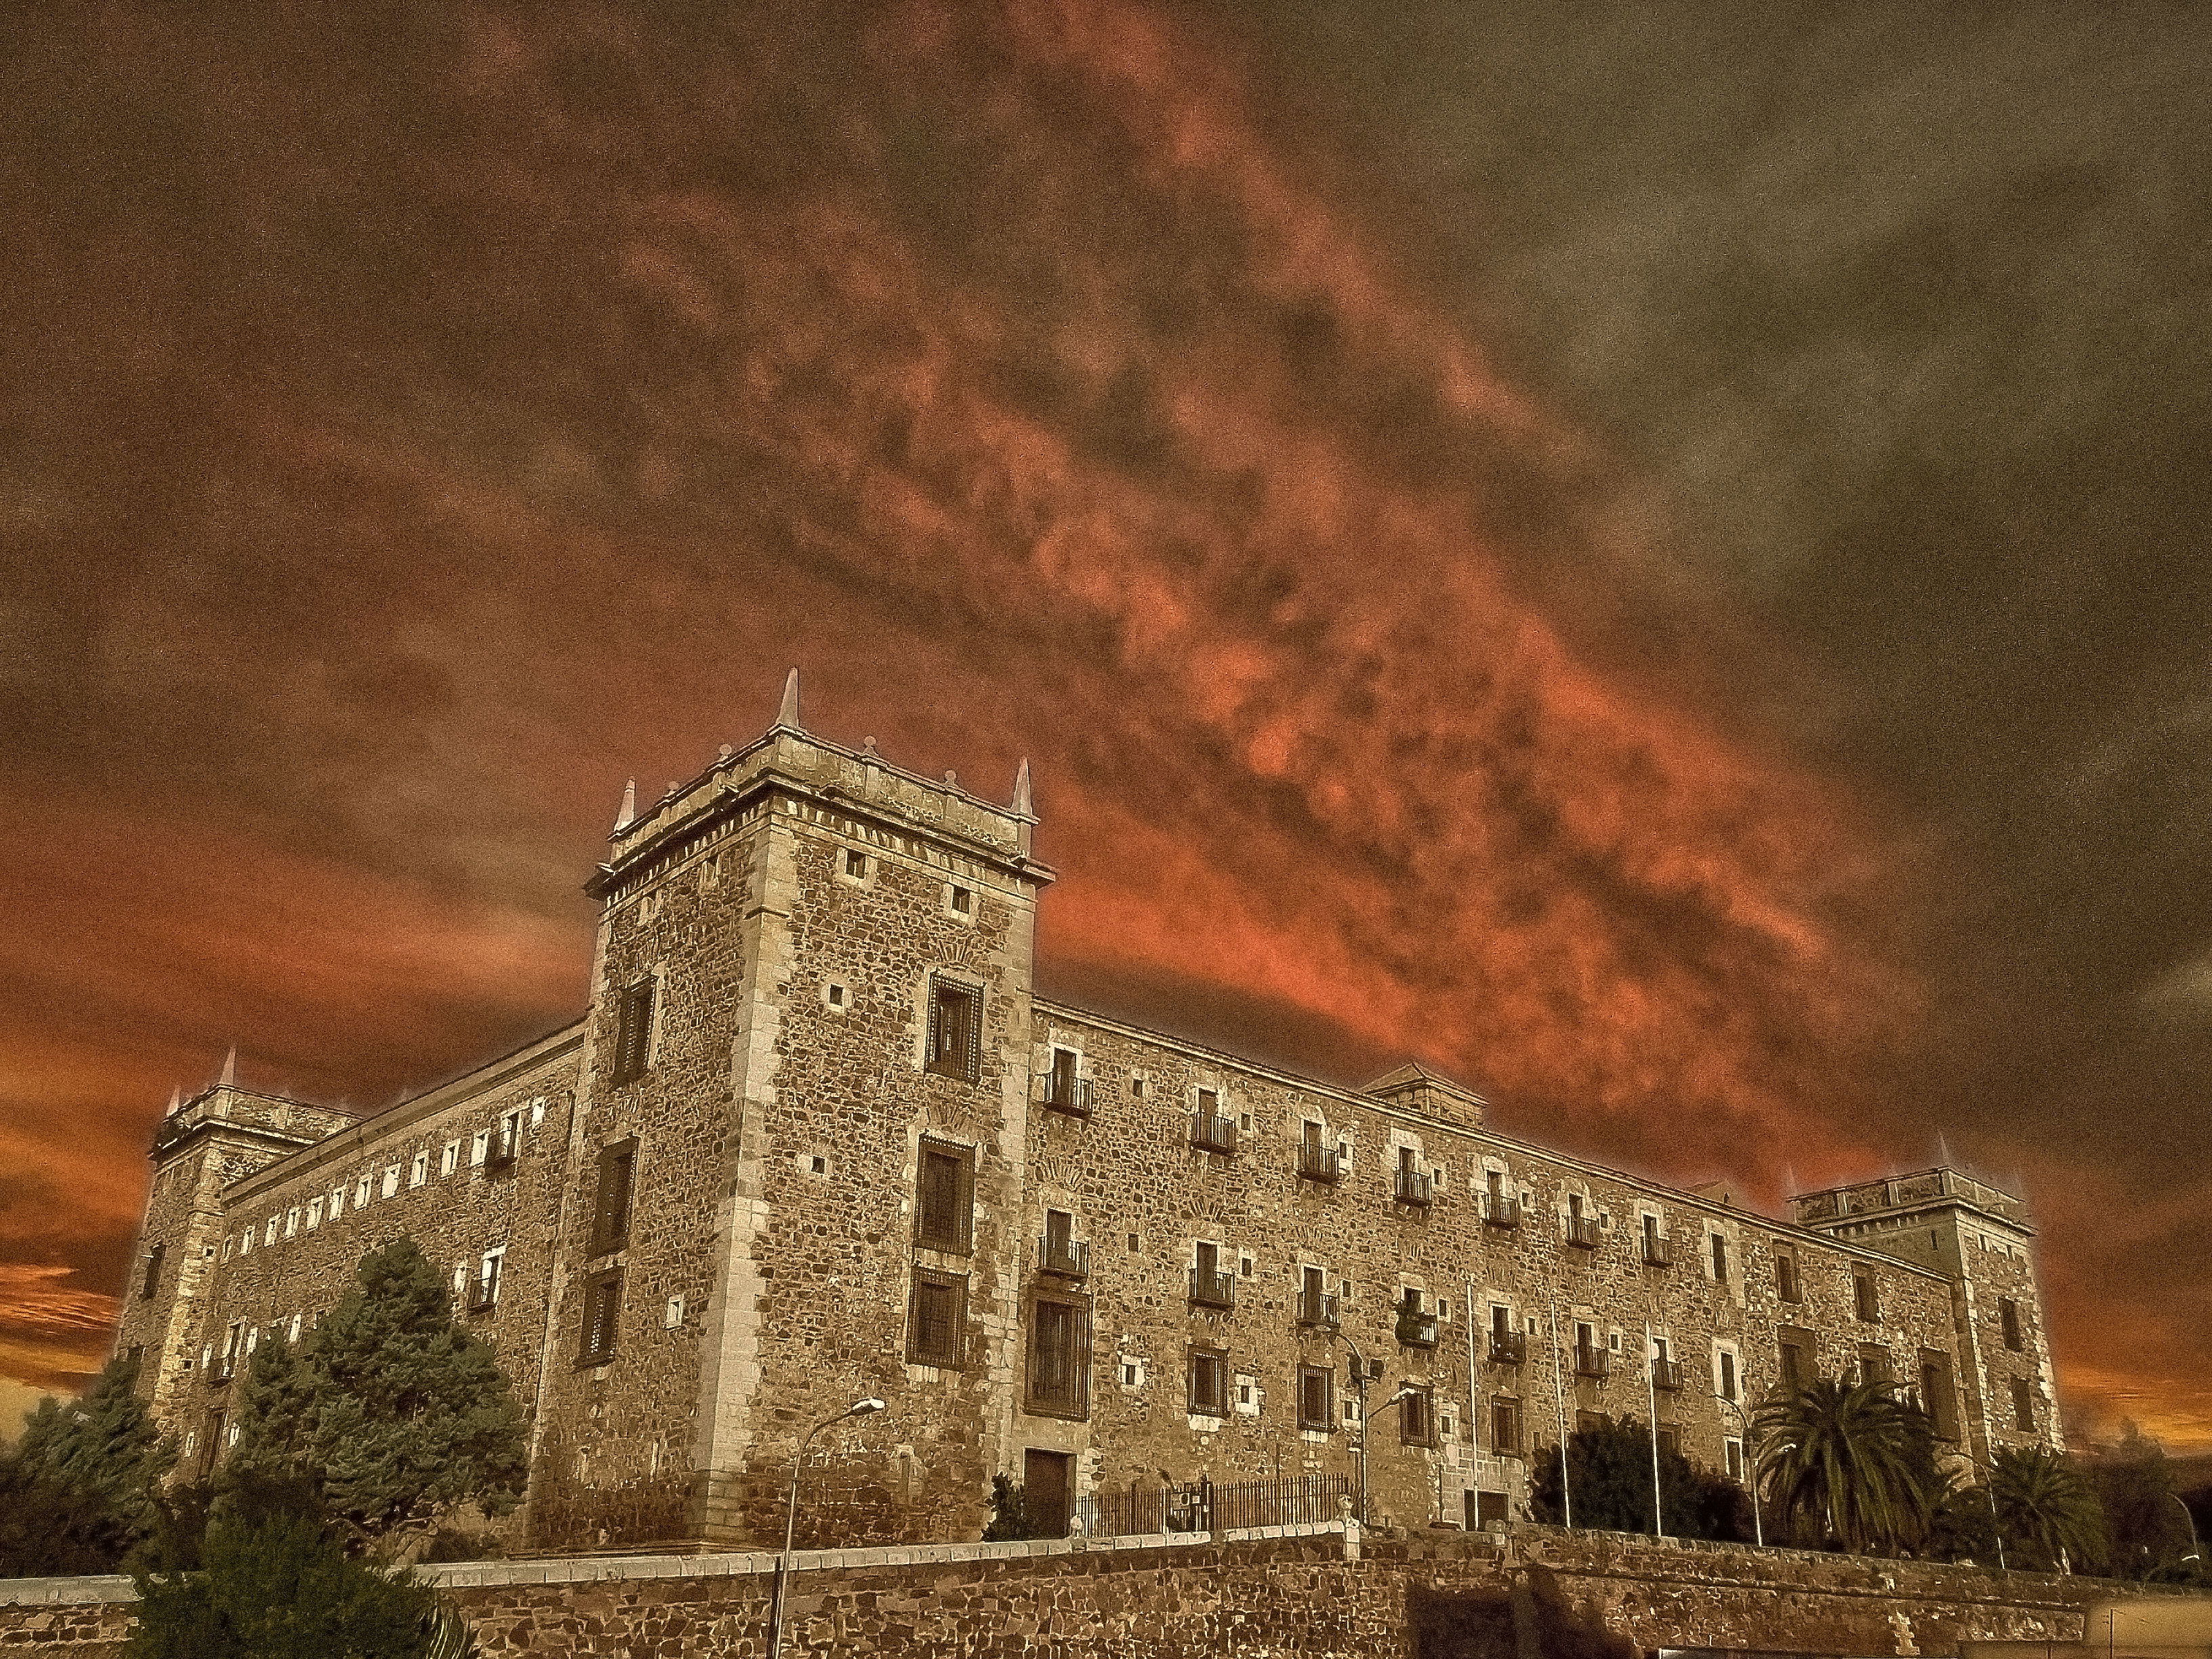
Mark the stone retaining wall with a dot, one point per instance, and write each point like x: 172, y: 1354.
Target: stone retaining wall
x: 1295, y: 1590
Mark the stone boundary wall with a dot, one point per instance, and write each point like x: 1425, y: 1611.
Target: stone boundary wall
x: 1315, y: 1590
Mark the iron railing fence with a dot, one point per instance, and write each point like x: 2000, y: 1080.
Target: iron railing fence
x: 1205, y: 1505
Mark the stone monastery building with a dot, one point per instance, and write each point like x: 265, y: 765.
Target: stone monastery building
x: 816, y: 1138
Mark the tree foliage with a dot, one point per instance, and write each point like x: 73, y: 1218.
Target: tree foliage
x: 1839, y: 1461
x: 2050, y: 1516
x: 77, y: 1491
x: 280, y: 1585
x: 2147, y: 1527
x: 396, y: 1412
x: 1610, y: 1482
x: 1011, y: 1517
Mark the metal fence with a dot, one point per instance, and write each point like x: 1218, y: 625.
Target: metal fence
x: 1204, y: 1506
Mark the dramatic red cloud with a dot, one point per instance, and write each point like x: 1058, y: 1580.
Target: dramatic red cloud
x: 990, y: 363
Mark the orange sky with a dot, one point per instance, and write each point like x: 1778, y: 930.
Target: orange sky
x: 418, y: 435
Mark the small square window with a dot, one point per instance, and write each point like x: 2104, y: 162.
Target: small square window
x: 449, y: 1158
x: 1134, y: 1248
x: 963, y: 901
x: 419, y: 1169
x: 1136, y: 1088
x: 856, y: 863
x: 836, y: 994
x: 819, y: 1165
x: 1128, y: 1373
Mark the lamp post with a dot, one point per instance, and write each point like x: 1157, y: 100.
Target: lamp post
x: 2189, y: 1516
x: 1360, y: 1381
x: 858, y: 1408
x: 1750, y: 1467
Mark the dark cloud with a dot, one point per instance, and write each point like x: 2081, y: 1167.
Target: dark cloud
x: 1596, y: 550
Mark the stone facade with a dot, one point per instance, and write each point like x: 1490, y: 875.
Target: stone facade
x: 817, y: 1138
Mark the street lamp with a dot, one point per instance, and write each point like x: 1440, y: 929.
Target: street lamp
x: 1750, y: 1467
x: 858, y: 1408
x: 2189, y: 1516
x: 1359, y: 1380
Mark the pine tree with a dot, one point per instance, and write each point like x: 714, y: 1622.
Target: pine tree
x: 106, y: 1445
x: 411, y: 1415
x: 275, y: 1417
x: 282, y: 1586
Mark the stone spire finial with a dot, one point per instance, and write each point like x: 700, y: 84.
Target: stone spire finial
x: 1021, y: 788
x: 176, y: 1096
x: 229, y: 1078
x: 628, y: 806
x: 789, y: 715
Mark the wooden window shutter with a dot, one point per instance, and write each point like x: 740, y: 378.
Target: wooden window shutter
x: 974, y: 999
x: 611, y: 1212
x: 934, y: 1042
x: 963, y: 1202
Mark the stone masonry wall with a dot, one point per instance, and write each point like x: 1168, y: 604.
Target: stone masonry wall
x: 1144, y: 1198
x: 1287, y: 1591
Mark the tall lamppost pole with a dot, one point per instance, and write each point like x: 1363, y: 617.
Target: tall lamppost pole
x: 858, y: 1408
x: 2189, y: 1516
x: 1360, y: 1381
x: 1750, y: 1468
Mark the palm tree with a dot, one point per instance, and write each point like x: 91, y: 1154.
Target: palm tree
x: 1838, y: 1457
x: 2049, y: 1514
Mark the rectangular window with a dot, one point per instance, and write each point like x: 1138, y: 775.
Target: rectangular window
x: 338, y: 1202
x: 2009, y: 1317
x: 152, y: 1282
x: 963, y: 901
x: 618, y: 1185
x: 1060, y: 1356
x: 1797, y: 1365
x: 937, y: 1322
x: 1720, y: 1257
x: 314, y: 1213
x: 450, y: 1159
x: 292, y: 1221
x: 269, y: 1232
x: 361, y: 1190
x: 945, y: 1199
x: 2023, y: 1405
x: 954, y: 1044
x: 479, y: 1147
x: 856, y: 863
x: 1785, y: 1278
x: 602, y: 1319
x: 1937, y: 1398
x: 390, y: 1179
x: 487, y: 1289
x: 1728, y: 1375
x: 1416, y: 1418
x: 419, y: 1170
x: 1209, y: 1382
x: 1865, y: 1300
x: 1316, y: 1398
x: 634, y: 1032
x: 1670, y: 1438
x: 1505, y: 1428
x: 1735, y: 1460
x: 1874, y: 1364
x: 506, y: 1142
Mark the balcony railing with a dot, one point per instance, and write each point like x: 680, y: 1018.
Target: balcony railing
x: 1581, y: 1231
x: 1416, y: 1189
x: 1062, y: 1093
x: 1213, y: 1290
x: 1320, y: 1164
x: 499, y: 1157
x: 1658, y: 1252
x: 1593, y: 1362
x: 1508, y: 1347
x: 1501, y: 1211
x: 1210, y: 1133
x: 1666, y: 1374
x: 483, y: 1300
x: 1317, y: 1310
x: 216, y: 1374
x: 1416, y: 1329
x: 1063, y: 1258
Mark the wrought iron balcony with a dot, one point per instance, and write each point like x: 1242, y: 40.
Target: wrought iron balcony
x: 1416, y: 1329
x: 482, y: 1298
x: 1317, y: 1310
x: 1501, y: 1211
x: 1211, y: 1133
x: 1658, y: 1252
x: 1666, y: 1376
x: 1416, y: 1189
x: 1063, y: 1258
x: 1062, y: 1093
x: 1508, y: 1347
x: 1593, y: 1362
x: 499, y: 1156
x: 1320, y: 1164
x: 1581, y: 1231
x: 1213, y: 1290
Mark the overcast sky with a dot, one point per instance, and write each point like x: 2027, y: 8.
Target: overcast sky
x: 1650, y: 557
